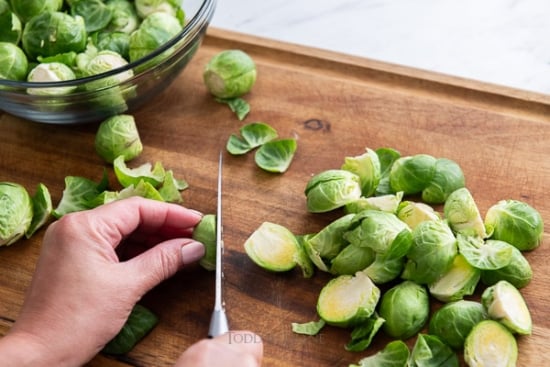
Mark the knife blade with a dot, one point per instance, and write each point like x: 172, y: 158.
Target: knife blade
x: 218, y: 320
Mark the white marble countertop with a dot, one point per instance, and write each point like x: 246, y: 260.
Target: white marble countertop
x: 504, y: 42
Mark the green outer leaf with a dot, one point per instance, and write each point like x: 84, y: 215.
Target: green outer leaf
x: 96, y: 14
x: 429, y: 350
x: 394, y: 354
x: 367, y: 167
x: 132, y: 176
x: 139, y: 323
x: 384, y: 268
x: 238, y: 105
x: 171, y: 187
x: 308, y: 328
x: 386, y: 156
x: 485, y: 255
x: 253, y: 135
x: 351, y: 260
x: 362, y: 335
x: 42, y: 209
x: 329, y: 241
x: 303, y: 259
x: 80, y: 194
x: 518, y: 272
x: 205, y: 232
x: 276, y: 155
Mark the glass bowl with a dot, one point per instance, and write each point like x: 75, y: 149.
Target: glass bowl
x: 91, y: 100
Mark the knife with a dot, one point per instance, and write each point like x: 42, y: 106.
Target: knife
x: 218, y: 321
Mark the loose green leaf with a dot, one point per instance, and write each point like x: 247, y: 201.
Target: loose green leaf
x: 276, y: 155
x: 132, y: 176
x: 485, y: 255
x: 394, y: 354
x: 430, y: 351
x: 386, y: 156
x: 42, y: 208
x: 171, y: 188
x: 80, y: 194
x: 362, y: 335
x: 237, y: 105
x: 308, y: 328
x: 252, y: 136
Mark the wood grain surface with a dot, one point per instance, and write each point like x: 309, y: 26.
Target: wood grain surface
x: 335, y: 106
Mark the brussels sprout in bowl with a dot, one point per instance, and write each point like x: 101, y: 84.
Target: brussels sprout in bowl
x: 122, y: 86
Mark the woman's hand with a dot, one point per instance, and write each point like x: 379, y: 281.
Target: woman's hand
x: 82, y: 293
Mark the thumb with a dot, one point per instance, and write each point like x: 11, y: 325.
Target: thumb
x: 162, y: 261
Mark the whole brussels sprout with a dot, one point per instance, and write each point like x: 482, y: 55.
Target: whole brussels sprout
x: 118, y: 136
x: 332, y: 189
x: 147, y: 7
x: 16, y: 212
x: 118, y: 42
x: 412, y: 174
x: 367, y: 167
x: 448, y: 177
x: 96, y: 14
x: 430, y: 350
x: 26, y: 9
x: 454, y: 321
x: 51, y: 72
x: 154, y: 31
x: 518, y: 272
x: 13, y: 62
x: 230, y: 74
x: 10, y: 24
x: 406, y: 308
x: 504, y: 303
x: 124, y: 16
x: 515, y: 222
x: 52, y: 33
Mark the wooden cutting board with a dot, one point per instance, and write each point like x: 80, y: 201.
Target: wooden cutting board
x: 335, y: 106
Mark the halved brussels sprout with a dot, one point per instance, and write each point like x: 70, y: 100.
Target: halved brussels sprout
x: 453, y: 321
x: 458, y: 281
x: 448, y: 177
x: 230, y: 74
x: 13, y: 62
x: 332, y: 189
x: 386, y: 203
x: 518, y: 272
x: 205, y: 233
x: 515, y: 222
x: 504, y: 303
x: 367, y: 167
x: 412, y: 174
x: 348, y: 300
x: 406, y: 308
x: 432, y: 252
x: 118, y: 136
x: 429, y: 350
x: 490, y: 344
x: 462, y: 213
x: 413, y: 213
x: 394, y: 354
x: 16, y: 212
x: 273, y: 247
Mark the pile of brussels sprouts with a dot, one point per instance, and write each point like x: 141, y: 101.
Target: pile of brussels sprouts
x: 55, y: 40
x: 391, y: 253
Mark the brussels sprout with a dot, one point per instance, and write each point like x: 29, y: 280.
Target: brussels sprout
x: 385, y: 268
x: 275, y: 155
x: 429, y: 351
x: 51, y: 72
x: 332, y: 189
x: 132, y: 176
x: 124, y: 16
x: 147, y: 7
x: 16, y: 212
x: 102, y: 62
x: 252, y: 136
x: 140, y: 322
x: 515, y: 222
x: 458, y: 281
x: 432, y: 252
x: 490, y: 344
x: 394, y: 354
x: 504, y: 303
x: 308, y: 328
x: 518, y: 272
x: 26, y: 9
x: 406, y: 308
x: 118, y: 42
x: 13, y: 62
x: 273, y: 247
x: 387, y: 203
x: 41, y: 208
x: 352, y: 259
x: 485, y: 255
x: 381, y: 231
x: 118, y: 136
x: 414, y: 213
x: 386, y: 156
x: 52, y: 33
x: 10, y: 24
x: 448, y: 177
x: 367, y: 167
x: 362, y: 334
x: 348, y: 300
x: 462, y: 213
x: 205, y: 232
x: 230, y: 74
x: 95, y: 13
x: 412, y: 174
x: 453, y: 322
x: 154, y: 31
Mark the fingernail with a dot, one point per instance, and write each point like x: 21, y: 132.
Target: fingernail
x: 192, y: 252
